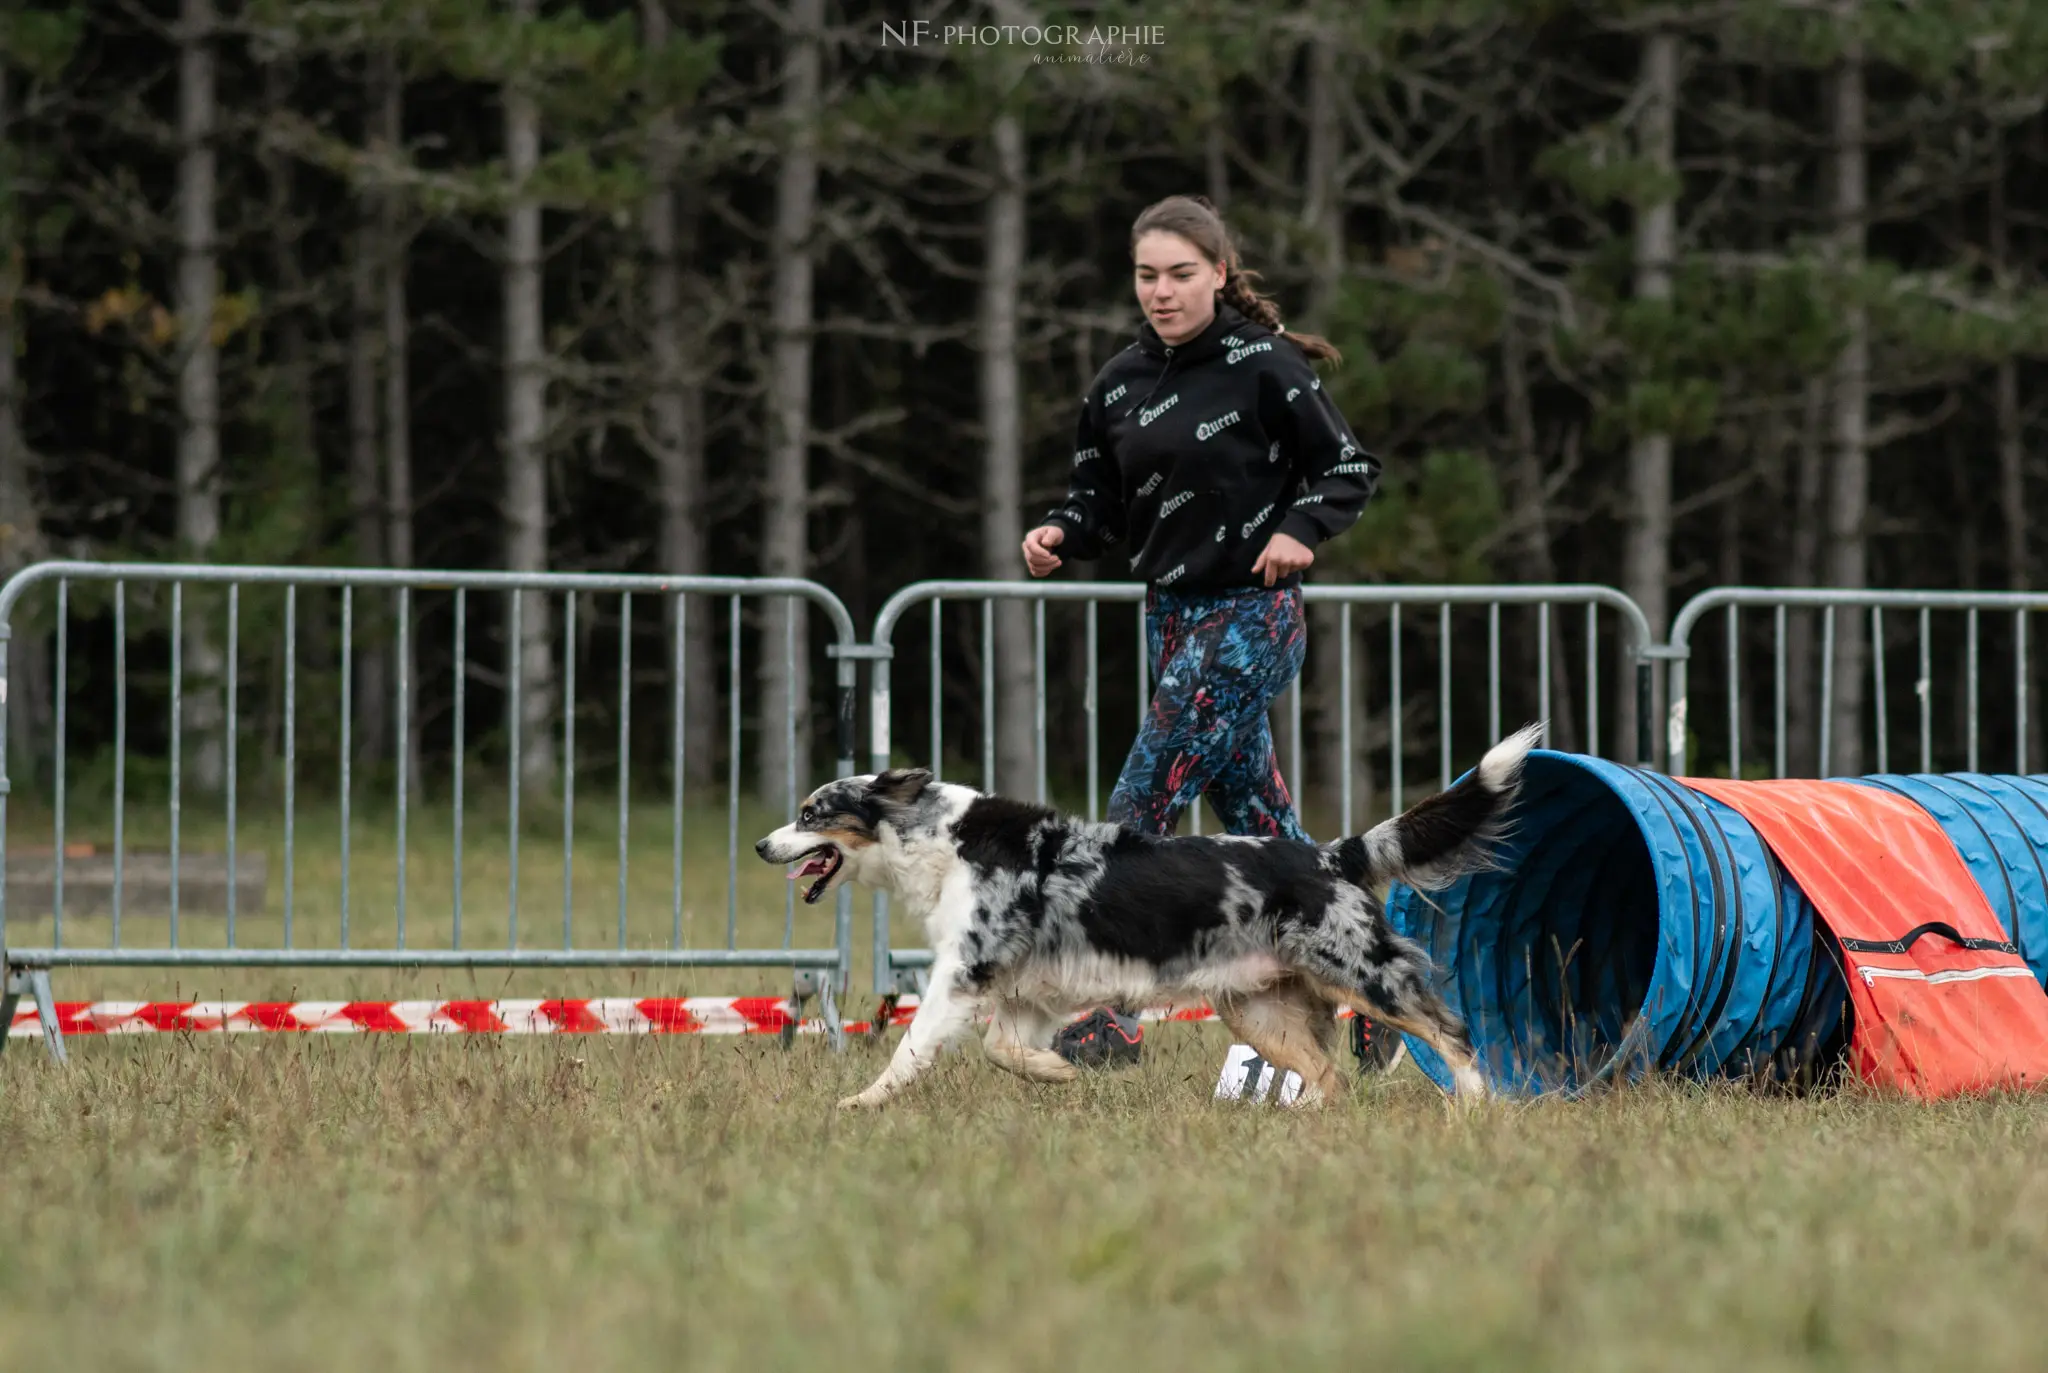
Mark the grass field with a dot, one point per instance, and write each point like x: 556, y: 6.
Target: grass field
x: 402, y: 1203
x: 413, y: 1203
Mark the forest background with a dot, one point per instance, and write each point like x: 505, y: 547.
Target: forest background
x: 1657, y: 296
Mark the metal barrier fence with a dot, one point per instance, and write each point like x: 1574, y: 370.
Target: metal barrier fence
x: 1635, y: 640
x: 1911, y: 638
x: 316, y: 931
x: 1461, y: 624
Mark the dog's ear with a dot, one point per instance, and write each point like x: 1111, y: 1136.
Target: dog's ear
x: 899, y: 786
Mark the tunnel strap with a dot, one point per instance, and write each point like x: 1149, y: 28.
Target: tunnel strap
x: 1940, y: 927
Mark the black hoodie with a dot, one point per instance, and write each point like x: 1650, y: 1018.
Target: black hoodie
x: 1192, y: 456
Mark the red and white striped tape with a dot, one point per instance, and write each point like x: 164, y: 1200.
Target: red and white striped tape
x: 703, y: 1015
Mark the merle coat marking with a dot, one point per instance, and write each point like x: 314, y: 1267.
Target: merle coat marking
x: 1033, y: 917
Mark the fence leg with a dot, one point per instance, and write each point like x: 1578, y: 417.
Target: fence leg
x: 801, y: 987
x: 10, y: 998
x: 36, y: 982
x: 828, y: 1007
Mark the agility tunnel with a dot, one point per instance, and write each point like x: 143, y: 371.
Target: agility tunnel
x: 1636, y: 923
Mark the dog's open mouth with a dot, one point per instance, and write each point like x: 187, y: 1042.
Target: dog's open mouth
x: 821, y: 863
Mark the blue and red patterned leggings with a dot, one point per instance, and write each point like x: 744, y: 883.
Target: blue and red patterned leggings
x: 1220, y: 659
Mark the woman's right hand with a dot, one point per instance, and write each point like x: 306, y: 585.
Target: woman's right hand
x: 1039, y: 557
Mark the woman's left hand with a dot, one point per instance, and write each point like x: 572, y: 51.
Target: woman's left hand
x: 1285, y: 555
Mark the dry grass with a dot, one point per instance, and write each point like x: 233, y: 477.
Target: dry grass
x: 403, y: 1203
x: 411, y: 1203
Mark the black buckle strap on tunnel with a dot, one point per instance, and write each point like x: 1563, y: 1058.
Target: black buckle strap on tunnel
x: 1940, y: 927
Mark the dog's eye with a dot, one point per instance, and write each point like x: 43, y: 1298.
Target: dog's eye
x: 810, y: 813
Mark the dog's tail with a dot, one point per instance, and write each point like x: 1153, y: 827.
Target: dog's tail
x: 1438, y: 840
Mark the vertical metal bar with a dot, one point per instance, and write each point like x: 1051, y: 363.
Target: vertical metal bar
x: 460, y: 746
x: 234, y: 728
x: 1778, y: 690
x: 63, y: 671
x: 1884, y: 763
x: 1038, y: 691
x: 404, y: 743
x: 625, y: 743
x: 1294, y: 737
x: 1344, y: 754
x: 1734, y: 694
x: 348, y: 628
x: 1443, y: 690
x: 516, y: 726
x: 177, y: 737
x: 1592, y: 679
x: 2019, y: 687
x: 291, y: 747
x: 789, y: 606
x: 1493, y: 671
x: 568, y: 765
x: 884, y: 970
x: 1970, y: 711
x: 1394, y: 702
x: 1543, y: 669
x: 1093, y: 706
x: 988, y: 695
x: 678, y: 692
x: 938, y: 745
x: 1926, y: 690
x: 1144, y: 668
x: 732, y: 780
x: 1827, y: 688
x: 121, y: 752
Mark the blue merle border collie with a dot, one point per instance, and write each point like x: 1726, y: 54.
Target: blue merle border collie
x: 1033, y: 917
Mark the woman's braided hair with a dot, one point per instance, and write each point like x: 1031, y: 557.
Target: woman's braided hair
x: 1196, y: 220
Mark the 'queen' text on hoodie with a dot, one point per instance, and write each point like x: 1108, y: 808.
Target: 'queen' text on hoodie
x: 1190, y: 457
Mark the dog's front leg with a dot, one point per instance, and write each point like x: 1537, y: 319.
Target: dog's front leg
x: 947, y: 1008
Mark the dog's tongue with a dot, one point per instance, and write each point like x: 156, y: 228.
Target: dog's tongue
x: 811, y: 868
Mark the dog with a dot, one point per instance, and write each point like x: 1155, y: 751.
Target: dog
x: 1033, y: 917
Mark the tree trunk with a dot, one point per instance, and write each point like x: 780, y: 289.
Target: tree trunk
x: 21, y: 523
x: 526, y: 493
x: 393, y: 255
x: 198, y: 467
x: 1217, y: 166
x: 1002, y: 483
x: 298, y: 469
x: 365, y: 491
x: 676, y: 413
x: 2012, y: 453
x: 1646, y: 557
x: 785, y: 549
x: 1802, y: 709
x: 1532, y: 555
x: 1323, y: 216
x: 1848, y: 513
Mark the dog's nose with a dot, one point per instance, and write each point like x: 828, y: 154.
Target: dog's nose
x: 761, y: 847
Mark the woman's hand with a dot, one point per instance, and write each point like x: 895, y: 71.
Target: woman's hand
x: 1284, y: 556
x: 1039, y: 557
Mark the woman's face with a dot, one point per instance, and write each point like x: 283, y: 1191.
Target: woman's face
x: 1177, y: 285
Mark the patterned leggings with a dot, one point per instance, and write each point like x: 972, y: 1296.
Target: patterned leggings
x: 1220, y: 660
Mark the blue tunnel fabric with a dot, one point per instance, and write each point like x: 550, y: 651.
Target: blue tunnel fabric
x: 1632, y: 923
x: 1635, y: 924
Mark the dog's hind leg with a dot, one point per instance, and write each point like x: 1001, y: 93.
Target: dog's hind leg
x: 1017, y: 1040
x: 947, y: 1008
x: 1281, y: 1024
x: 1396, y: 990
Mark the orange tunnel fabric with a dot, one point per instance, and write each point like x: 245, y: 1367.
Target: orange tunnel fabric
x: 1943, y: 1002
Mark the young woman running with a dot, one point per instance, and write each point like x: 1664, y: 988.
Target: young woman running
x: 1208, y: 455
